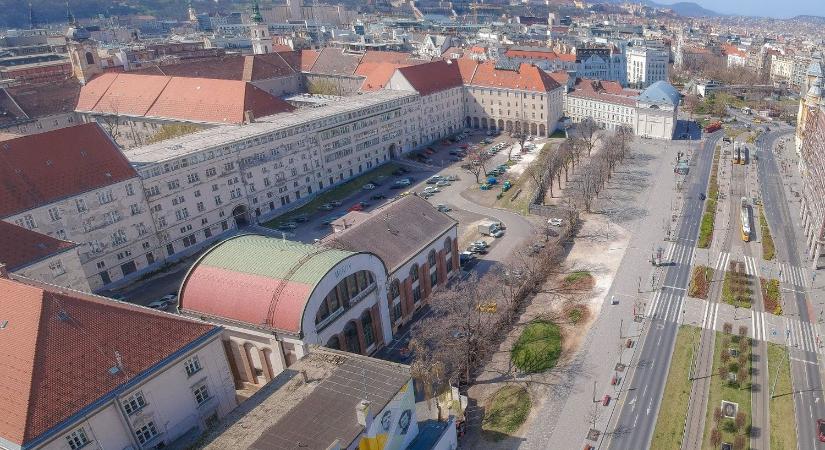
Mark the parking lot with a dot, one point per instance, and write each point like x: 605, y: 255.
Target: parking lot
x: 314, y: 224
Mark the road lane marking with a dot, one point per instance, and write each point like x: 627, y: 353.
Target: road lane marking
x: 705, y: 315
x: 715, y: 316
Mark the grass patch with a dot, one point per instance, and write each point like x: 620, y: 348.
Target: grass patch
x: 700, y: 282
x: 170, y: 131
x: 558, y: 134
x: 576, y: 276
x: 538, y: 348
x: 721, y: 388
x: 709, y: 216
x: 771, y: 296
x: 506, y: 410
x: 736, y: 289
x: 768, y: 247
x: 670, y: 425
x: 783, y: 420
x: 339, y: 192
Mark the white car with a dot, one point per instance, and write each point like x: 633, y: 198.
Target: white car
x: 432, y: 189
x: 479, y: 244
x: 442, y: 183
x: 554, y: 222
x: 368, y: 187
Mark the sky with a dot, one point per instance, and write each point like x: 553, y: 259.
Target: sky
x: 769, y: 8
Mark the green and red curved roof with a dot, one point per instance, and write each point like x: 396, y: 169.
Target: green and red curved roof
x: 238, y: 279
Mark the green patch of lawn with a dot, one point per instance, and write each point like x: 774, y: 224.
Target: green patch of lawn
x: 670, y: 425
x: 558, y: 134
x: 737, y: 290
x: 768, y: 248
x: 341, y: 192
x: 738, y: 392
x: 783, y: 420
x: 700, y: 282
x: 507, y: 409
x: 538, y: 348
x: 576, y: 276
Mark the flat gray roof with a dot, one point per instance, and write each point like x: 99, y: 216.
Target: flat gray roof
x: 229, y: 134
x: 289, y: 413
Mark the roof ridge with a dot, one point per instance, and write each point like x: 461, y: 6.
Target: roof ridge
x: 160, y: 93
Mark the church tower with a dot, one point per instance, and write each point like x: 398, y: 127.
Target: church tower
x: 259, y: 32
x: 82, y: 50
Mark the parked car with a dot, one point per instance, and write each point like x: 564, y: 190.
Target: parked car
x: 477, y: 249
x: 443, y: 208
x: 287, y: 226
x: 606, y: 400
x: 326, y: 207
x: 556, y: 222
x: 160, y: 305
x: 433, y: 179
x: 368, y: 187
x: 481, y: 243
x: 442, y: 183
x: 301, y: 219
x: 377, y: 197
x: 432, y: 189
x: 465, y: 257
x: 335, y: 202
x: 356, y: 207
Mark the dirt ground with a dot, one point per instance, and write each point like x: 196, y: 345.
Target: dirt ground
x: 599, y: 249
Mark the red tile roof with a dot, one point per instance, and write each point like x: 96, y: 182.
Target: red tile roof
x: 433, y: 77
x: 230, y: 67
x: 526, y: 78
x: 606, y: 86
x: 536, y: 54
x: 58, y: 349
x: 177, y: 98
x: 308, y: 58
x: 604, y: 97
x: 561, y: 76
x: 21, y: 247
x: 39, y: 169
x: 378, y: 67
x: 467, y: 67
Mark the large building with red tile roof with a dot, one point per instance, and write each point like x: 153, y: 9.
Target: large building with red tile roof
x: 513, y: 98
x: 74, y: 184
x: 141, y: 104
x: 78, y: 370
x: 41, y: 257
x: 296, y: 294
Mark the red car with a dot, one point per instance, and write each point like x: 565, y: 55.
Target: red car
x: 358, y: 206
x: 464, y: 146
x: 820, y: 430
x: 606, y: 400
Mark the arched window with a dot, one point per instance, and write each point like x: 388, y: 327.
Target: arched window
x: 448, y: 245
x: 366, y: 324
x: 414, y: 272
x: 395, y: 289
x: 351, y: 336
x: 431, y: 258
x: 90, y: 59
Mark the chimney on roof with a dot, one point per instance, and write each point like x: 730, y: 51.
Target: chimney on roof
x: 363, y: 414
x: 248, y: 117
x: 4, y: 273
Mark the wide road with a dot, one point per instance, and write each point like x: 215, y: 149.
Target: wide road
x: 633, y: 429
x: 807, y: 382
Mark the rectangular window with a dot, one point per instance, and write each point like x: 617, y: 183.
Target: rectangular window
x: 210, y: 172
x: 135, y: 209
x: 28, y: 220
x: 61, y: 234
x: 218, y: 200
x: 416, y: 294
x: 192, y: 366
x: 201, y: 394
x: 201, y: 208
x: 80, y: 204
x: 105, y: 197
x: 130, y: 190
x: 172, y: 185
x: 193, y: 178
x: 182, y: 213
x: 134, y: 403
x: 54, y: 213
x: 146, y: 433
x: 77, y: 439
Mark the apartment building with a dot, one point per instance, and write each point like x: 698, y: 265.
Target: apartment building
x: 512, y: 98
x: 611, y: 110
x: 206, y: 183
x: 74, y: 184
x: 440, y: 102
x: 646, y: 65
x: 40, y: 257
x: 90, y: 372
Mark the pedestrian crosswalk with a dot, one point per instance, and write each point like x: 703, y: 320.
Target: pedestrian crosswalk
x: 678, y: 253
x: 666, y: 305
x: 723, y: 263
x: 796, y: 276
x: 802, y: 335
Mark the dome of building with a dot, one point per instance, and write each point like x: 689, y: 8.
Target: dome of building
x: 660, y: 92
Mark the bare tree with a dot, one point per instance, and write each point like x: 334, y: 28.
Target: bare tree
x: 477, y: 157
x: 587, y: 185
x: 586, y: 133
x: 593, y: 415
x: 521, y: 138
